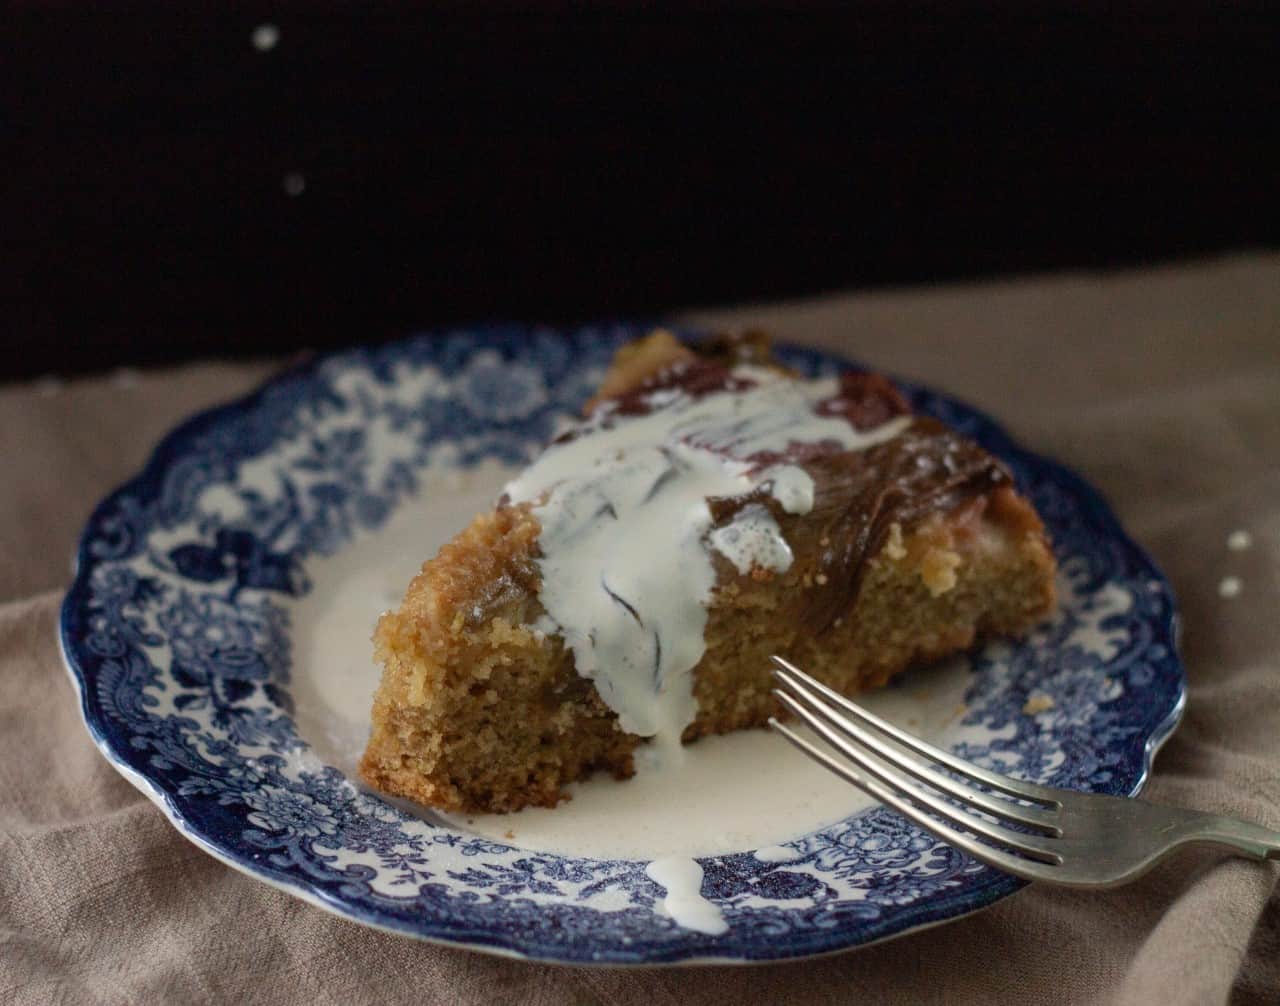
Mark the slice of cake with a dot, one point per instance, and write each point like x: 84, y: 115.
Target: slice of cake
x: 630, y: 586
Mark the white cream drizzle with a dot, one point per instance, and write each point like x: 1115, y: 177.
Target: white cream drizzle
x: 792, y: 487
x: 626, y: 562
x: 753, y: 538
x: 682, y: 879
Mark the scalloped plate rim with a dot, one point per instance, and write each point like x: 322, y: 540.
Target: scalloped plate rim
x: 938, y: 910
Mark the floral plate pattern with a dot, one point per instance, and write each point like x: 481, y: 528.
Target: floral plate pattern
x: 176, y: 633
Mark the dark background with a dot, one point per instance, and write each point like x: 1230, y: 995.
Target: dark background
x: 555, y: 163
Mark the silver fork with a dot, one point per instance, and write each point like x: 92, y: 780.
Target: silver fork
x: 1069, y: 838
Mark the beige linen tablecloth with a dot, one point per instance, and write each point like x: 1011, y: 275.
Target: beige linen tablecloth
x: 1161, y: 387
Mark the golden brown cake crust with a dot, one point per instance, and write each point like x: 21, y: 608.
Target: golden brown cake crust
x: 477, y: 711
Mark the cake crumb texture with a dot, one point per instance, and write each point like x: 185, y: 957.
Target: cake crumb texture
x: 479, y: 712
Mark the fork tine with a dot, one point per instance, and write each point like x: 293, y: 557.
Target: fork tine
x: 993, y: 780
x: 1029, y: 845
x: 1009, y: 863
x: 1035, y: 817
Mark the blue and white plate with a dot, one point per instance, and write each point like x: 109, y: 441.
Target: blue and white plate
x: 217, y: 631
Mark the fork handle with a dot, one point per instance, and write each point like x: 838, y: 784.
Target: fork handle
x: 1245, y: 837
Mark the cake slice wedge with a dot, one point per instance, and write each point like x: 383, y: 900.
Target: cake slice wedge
x: 710, y: 510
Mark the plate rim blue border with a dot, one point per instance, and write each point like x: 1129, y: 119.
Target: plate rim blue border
x: 938, y: 910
